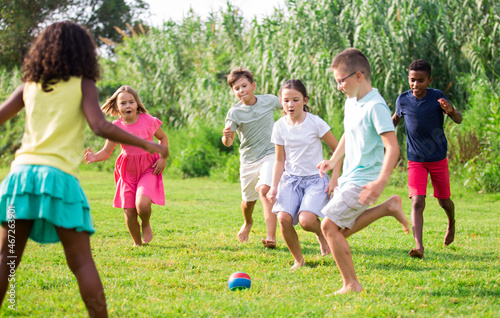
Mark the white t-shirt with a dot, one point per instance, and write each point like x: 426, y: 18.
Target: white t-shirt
x: 303, y: 148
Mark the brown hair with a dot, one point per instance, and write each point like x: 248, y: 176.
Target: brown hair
x: 62, y: 50
x: 110, y: 108
x: 352, y: 60
x: 298, y: 86
x: 238, y: 73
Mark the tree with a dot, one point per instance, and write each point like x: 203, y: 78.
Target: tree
x: 20, y: 20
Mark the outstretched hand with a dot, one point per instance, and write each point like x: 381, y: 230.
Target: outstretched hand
x: 272, y: 194
x: 445, y: 105
x: 159, y: 165
x: 324, y: 166
x: 370, y: 193
x: 89, y: 155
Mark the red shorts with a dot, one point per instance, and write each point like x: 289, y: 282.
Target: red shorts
x: 440, y: 177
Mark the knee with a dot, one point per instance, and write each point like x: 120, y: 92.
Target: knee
x: 130, y: 213
x: 248, y: 204
x: 327, y: 226
x: 446, y: 203
x: 307, y: 222
x: 285, y: 219
x: 418, y: 202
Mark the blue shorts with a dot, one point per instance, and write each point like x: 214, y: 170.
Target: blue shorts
x: 48, y: 196
x: 297, y: 194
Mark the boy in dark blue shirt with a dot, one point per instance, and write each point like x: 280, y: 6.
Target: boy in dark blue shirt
x: 423, y: 109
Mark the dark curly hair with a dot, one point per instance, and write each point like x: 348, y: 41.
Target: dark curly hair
x: 62, y: 50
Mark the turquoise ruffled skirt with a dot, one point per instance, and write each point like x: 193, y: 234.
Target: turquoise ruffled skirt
x: 48, y: 196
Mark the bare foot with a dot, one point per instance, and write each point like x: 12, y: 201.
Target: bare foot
x: 416, y: 253
x: 349, y: 289
x: 147, y: 233
x: 244, y: 232
x: 269, y: 243
x: 298, y: 264
x: 396, y: 210
x: 450, y: 233
x: 136, y: 245
x: 323, y: 245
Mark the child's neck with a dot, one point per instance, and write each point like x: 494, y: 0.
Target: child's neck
x: 252, y: 102
x: 364, y: 89
x: 130, y: 121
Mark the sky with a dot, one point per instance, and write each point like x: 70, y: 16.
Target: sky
x: 162, y: 10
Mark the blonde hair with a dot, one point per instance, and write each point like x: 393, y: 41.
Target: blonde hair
x: 110, y: 108
x: 352, y: 60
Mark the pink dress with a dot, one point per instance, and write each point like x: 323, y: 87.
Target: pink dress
x: 134, y: 166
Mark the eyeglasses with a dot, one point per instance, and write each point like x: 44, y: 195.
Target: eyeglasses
x: 341, y: 81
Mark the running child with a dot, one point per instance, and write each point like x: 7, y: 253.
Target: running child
x: 423, y: 109
x: 252, y: 118
x: 368, y: 129
x: 41, y: 197
x: 297, y: 188
x: 138, y: 173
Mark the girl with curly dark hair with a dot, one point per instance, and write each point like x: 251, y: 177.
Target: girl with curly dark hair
x: 41, y: 198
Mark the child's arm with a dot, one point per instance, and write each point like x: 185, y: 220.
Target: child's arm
x: 372, y: 190
x: 334, y: 161
x: 103, y: 128
x: 395, y: 119
x: 332, y: 143
x: 159, y: 165
x: 227, y: 136
x: 452, y: 112
x: 102, y: 154
x: 12, y: 105
x: 279, y: 167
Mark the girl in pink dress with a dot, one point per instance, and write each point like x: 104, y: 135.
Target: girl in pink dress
x: 138, y: 174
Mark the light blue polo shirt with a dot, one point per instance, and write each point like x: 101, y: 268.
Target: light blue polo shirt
x: 364, y: 121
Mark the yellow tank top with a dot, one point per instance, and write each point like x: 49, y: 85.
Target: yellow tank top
x: 54, y: 127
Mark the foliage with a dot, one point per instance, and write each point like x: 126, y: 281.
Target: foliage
x: 183, y: 272
x: 180, y: 69
x: 20, y: 20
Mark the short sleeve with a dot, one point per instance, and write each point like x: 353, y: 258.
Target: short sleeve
x: 381, y: 118
x: 276, y: 137
x: 399, y: 111
x: 154, y: 124
x: 322, y: 127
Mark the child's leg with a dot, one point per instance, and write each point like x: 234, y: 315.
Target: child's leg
x: 392, y: 207
x: 291, y: 238
x: 247, y: 210
x: 342, y: 255
x: 417, y: 224
x: 449, y: 208
x: 269, y: 216
x: 79, y: 257
x: 143, y: 206
x: 10, y: 261
x: 310, y: 222
x: 133, y: 225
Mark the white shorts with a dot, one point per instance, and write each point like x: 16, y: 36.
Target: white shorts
x: 255, y: 174
x: 344, y: 208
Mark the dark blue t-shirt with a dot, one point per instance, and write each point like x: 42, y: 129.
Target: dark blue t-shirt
x: 425, y: 141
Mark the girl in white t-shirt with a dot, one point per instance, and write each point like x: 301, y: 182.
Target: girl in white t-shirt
x: 297, y: 189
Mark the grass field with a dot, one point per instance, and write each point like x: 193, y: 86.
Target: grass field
x: 184, y: 271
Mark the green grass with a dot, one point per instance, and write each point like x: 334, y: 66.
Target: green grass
x: 184, y: 271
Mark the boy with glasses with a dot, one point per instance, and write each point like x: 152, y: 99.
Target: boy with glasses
x: 368, y: 129
x: 423, y: 109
